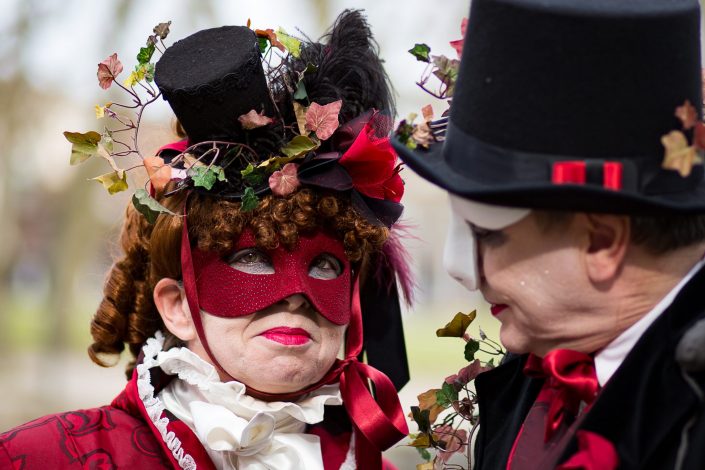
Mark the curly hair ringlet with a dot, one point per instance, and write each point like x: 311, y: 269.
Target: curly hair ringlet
x: 127, y: 314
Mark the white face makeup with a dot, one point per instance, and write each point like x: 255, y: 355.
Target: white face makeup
x: 460, y: 251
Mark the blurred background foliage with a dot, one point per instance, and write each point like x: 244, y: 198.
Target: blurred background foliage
x: 58, y: 231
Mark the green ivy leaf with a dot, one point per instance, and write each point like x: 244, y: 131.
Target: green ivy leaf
x: 425, y: 454
x: 299, y: 145
x: 148, y: 206
x: 148, y: 70
x: 300, y: 93
x: 471, y: 347
x: 292, y: 44
x: 490, y: 363
x: 421, y: 52
x: 249, y: 200
x: 145, y: 54
x: 251, y: 175
x: 114, y: 181
x: 206, y: 176
x: 446, y: 395
x: 457, y: 326
x: 84, y: 145
x: 263, y: 43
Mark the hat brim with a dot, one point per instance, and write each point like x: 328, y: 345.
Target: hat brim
x: 431, y: 165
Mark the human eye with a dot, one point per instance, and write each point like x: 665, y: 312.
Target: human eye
x: 487, y: 237
x: 325, y: 266
x: 251, y: 261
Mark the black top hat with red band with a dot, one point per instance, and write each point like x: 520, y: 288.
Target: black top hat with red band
x: 590, y: 105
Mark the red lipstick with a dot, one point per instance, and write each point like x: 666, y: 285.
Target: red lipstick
x: 287, y: 336
x: 496, y: 309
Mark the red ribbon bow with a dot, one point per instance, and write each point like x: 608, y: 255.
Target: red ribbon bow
x: 570, y: 379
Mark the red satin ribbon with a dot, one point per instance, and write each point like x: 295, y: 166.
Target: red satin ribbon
x: 594, y: 453
x: 378, y: 422
x: 574, y: 172
x: 571, y: 375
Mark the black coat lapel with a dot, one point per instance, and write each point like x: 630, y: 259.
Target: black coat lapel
x: 505, y: 395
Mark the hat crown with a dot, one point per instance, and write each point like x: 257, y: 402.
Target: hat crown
x: 590, y: 78
x: 211, y: 78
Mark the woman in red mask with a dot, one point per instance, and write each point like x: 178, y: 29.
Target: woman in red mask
x: 237, y: 299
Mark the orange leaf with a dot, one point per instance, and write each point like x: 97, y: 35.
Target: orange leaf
x: 272, y: 36
x: 427, y: 113
x: 687, y: 114
x: 323, y: 120
x: 159, y: 173
x: 427, y: 401
x: 679, y: 155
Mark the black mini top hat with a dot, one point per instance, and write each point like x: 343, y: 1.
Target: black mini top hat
x: 212, y: 77
x: 563, y: 104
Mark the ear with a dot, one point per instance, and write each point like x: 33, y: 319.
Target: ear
x: 608, y: 237
x: 171, y: 302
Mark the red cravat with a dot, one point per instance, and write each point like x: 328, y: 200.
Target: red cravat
x: 569, y: 380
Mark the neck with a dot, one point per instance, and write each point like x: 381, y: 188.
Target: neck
x: 643, y: 281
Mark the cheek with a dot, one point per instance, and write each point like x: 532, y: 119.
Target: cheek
x: 332, y: 337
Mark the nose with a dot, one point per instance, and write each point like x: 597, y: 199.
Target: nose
x: 460, y: 253
x: 296, y: 302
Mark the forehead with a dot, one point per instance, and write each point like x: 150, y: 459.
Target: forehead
x: 486, y: 216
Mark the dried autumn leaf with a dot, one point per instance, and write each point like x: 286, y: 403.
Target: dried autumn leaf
x: 300, y: 113
x: 108, y: 70
x: 323, y: 120
x: 114, y: 181
x: 422, y: 440
x: 428, y: 401
x: 253, y: 120
x: 687, y: 114
x: 424, y: 466
x: 162, y: 29
x: 271, y: 36
x: 159, y: 173
x: 427, y: 112
x: 285, y: 181
x: 457, y: 326
x: 84, y: 145
x: 679, y: 155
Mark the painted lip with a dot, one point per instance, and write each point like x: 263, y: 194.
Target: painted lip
x: 496, y: 309
x: 287, y: 336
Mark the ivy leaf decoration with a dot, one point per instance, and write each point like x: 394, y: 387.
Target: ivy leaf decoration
x: 108, y: 70
x: 206, y: 176
x: 291, y: 44
x: 84, y: 145
x: 420, y: 417
x: 421, y: 52
x: 300, y: 113
x: 271, y: 36
x: 148, y: 206
x: 162, y: 30
x: 145, y: 54
x: 249, y: 200
x: 253, y: 119
x: 323, y: 120
x: 679, y: 155
x: 263, y: 43
x: 457, y: 326
x: 471, y: 347
x: 252, y: 175
x: 447, y: 395
x: 447, y: 72
x: 114, y: 182
x: 299, y: 145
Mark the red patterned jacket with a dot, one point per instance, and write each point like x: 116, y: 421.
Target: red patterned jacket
x: 122, y: 435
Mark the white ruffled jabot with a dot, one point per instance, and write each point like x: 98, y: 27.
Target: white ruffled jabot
x: 237, y: 430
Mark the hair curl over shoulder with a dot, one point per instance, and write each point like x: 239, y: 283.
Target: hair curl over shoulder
x: 127, y: 315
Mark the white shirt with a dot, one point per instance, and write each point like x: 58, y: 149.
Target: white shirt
x: 608, y: 360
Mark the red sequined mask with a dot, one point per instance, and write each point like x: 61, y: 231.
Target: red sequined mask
x: 224, y: 291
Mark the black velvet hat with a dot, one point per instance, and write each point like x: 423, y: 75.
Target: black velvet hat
x: 563, y: 104
x: 211, y: 78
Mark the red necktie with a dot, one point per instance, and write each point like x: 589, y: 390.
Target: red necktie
x: 569, y: 380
